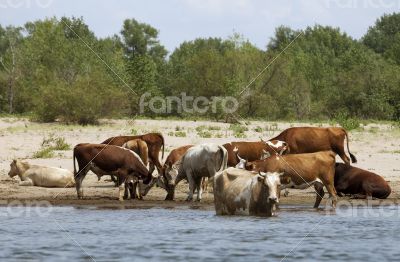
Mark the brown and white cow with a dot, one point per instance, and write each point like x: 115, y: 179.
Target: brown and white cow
x: 154, y: 141
x: 301, y: 171
x: 108, y: 159
x: 360, y: 183
x: 238, y: 191
x: 252, y: 151
x: 315, y: 139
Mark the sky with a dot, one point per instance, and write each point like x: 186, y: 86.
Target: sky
x: 185, y: 20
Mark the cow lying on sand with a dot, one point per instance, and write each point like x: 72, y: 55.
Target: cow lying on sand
x: 238, y: 191
x: 301, y: 171
x: 106, y: 159
x: 315, y: 139
x: 200, y: 161
x: 44, y: 176
x: 360, y: 183
x: 252, y: 151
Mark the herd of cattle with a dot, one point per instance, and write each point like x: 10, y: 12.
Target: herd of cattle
x: 247, y: 177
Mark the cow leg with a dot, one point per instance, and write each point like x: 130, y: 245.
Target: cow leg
x: 199, y: 188
x: 342, y: 154
x: 332, y: 194
x: 128, y: 191
x: 27, y: 182
x: 191, y: 185
x: 319, y: 189
x: 78, y: 180
x: 121, y: 191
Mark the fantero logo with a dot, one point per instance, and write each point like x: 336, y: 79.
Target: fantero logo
x: 187, y: 104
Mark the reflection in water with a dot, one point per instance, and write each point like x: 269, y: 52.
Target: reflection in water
x: 191, y: 234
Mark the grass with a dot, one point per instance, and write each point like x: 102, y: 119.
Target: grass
x: 45, y: 152
x: 238, y: 130
x: 177, y: 133
x: 258, y: 129
x: 55, y: 143
x: 204, y: 134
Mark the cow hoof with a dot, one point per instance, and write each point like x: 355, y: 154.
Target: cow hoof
x: 121, y: 199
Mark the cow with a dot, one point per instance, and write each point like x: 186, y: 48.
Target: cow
x: 200, y: 161
x: 315, y: 139
x: 108, y: 159
x: 43, y: 176
x: 252, y: 151
x: 301, y: 171
x: 360, y: 183
x: 154, y: 141
x: 238, y: 191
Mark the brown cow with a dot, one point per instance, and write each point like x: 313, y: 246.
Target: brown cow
x: 107, y: 159
x: 360, y: 183
x: 315, y: 139
x: 302, y: 171
x: 154, y: 143
x: 252, y: 151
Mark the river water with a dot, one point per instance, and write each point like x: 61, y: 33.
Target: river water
x: 155, y: 234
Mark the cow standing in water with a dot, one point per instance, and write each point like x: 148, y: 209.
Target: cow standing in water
x: 315, y: 139
x: 360, y: 183
x: 106, y: 159
x: 238, y: 191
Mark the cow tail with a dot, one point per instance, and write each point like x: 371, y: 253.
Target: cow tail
x: 163, y: 145
x: 73, y: 159
x: 353, y: 158
x: 224, y: 155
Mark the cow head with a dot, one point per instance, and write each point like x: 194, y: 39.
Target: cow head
x: 271, y: 180
x: 171, y: 173
x: 14, y: 171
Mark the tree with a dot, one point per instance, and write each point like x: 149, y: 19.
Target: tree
x: 10, y: 40
x: 384, y: 37
x: 144, y: 59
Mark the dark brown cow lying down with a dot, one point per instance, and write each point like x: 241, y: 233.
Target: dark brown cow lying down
x: 315, y: 139
x: 252, y: 151
x: 360, y: 183
x: 301, y: 171
x: 106, y: 159
x: 154, y: 143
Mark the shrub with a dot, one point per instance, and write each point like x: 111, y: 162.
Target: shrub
x: 346, y: 122
x: 44, y: 152
x: 258, y: 129
x: 55, y: 143
x: 238, y: 130
x: 204, y: 134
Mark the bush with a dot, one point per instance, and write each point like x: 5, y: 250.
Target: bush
x: 258, y: 129
x: 55, y: 143
x: 204, y: 134
x: 238, y: 130
x: 44, y: 152
x: 346, y: 122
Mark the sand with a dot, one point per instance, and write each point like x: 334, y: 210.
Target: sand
x: 377, y: 147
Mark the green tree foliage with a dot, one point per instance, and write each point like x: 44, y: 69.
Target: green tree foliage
x: 384, y: 37
x: 58, y: 69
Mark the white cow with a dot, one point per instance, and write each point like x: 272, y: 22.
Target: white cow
x: 238, y: 191
x: 35, y: 175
